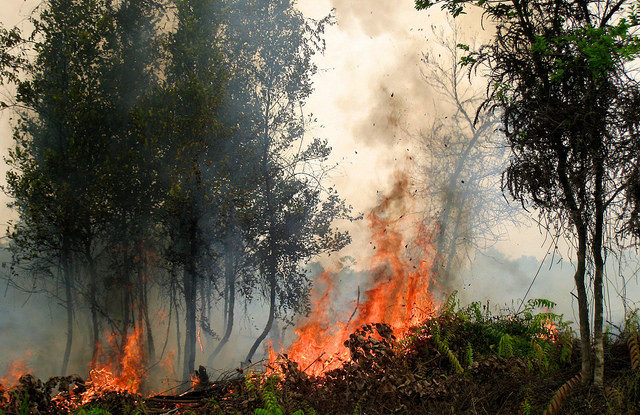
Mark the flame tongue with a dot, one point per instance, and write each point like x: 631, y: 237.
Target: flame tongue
x: 15, y: 370
x: 401, y: 272
x: 123, y: 372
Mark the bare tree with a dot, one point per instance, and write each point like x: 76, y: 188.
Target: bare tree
x: 463, y: 158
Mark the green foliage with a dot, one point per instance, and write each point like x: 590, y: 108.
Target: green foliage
x: 92, y: 411
x: 444, y: 349
x: 267, y: 389
x: 505, y: 346
x: 450, y: 304
x: 469, y: 354
x: 536, y: 334
x: 24, y: 405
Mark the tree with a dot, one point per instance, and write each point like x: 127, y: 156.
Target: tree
x: 463, y: 160
x: 134, y: 194
x: 557, y: 71
x: 61, y: 139
x: 271, y: 46
x: 74, y: 150
x: 183, y: 127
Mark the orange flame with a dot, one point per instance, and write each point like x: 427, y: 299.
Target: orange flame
x: 400, y: 276
x: 123, y: 372
x: 15, y: 371
x: 551, y: 330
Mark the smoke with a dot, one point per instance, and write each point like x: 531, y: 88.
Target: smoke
x: 371, y: 101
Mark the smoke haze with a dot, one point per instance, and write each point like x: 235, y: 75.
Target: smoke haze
x: 370, y: 101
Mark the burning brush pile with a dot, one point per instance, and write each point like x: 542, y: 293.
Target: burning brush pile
x: 115, y: 380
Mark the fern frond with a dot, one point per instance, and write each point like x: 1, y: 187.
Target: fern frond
x: 566, y: 350
x: 494, y: 332
x: 270, y: 399
x: 469, y: 354
x: 445, y: 350
x: 475, y: 309
x: 540, y: 303
x: 250, y: 381
x: 505, y: 346
x: 561, y: 394
x: 614, y: 397
x: 449, y: 305
x: 526, y: 407
x: 634, y: 349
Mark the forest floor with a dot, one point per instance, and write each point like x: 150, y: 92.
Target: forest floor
x: 460, y: 362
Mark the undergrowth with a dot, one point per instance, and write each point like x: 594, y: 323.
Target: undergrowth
x: 465, y: 360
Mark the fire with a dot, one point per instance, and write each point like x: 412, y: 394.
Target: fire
x: 400, y: 276
x: 15, y: 370
x: 122, y: 372
x: 551, y: 330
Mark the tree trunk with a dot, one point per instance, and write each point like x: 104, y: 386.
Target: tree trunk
x: 178, y: 334
x: 583, y: 306
x: 93, y: 300
x: 272, y: 313
x: 272, y: 259
x: 127, y: 301
x: 151, y: 348
x: 66, y: 271
x: 230, y: 288
x: 598, y: 260
x: 451, y: 255
x: 190, y: 291
x: 144, y: 301
x: 581, y: 230
x: 452, y: 201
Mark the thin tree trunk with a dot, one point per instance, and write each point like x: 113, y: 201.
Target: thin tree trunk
x: 178, y: 335
x: 93, y: 299
x: 597, y: 247
x: 452, y: 251
x: 144, y: 302
x: 272, y: 310
x: 581, y: 230
x: 151, y: 348
x: 452, y: 199
x: 127, y: 301
x: 272, y: 260
x: 190, y: 294
x: 230, y: 279
x: 583, y: 306
x: 66, y: 271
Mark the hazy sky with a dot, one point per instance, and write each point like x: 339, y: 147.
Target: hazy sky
x: 373, y: 52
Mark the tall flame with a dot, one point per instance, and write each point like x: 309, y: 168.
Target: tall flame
x: 400, y: 274
x: 123, y: 371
